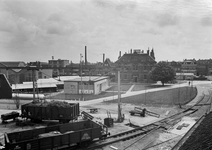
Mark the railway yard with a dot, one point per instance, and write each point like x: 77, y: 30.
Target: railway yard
x: 162, y: 127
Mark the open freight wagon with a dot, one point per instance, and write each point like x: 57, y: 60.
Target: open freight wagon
x: 55, y: 137
x: 46, y: 111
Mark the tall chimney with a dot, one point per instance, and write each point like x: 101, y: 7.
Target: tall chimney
x: 119, y: 54
x: 103, y: 58
x: 85, y: 55
x: 131, y: 51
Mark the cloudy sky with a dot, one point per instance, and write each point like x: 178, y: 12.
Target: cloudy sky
x: 36, y: 30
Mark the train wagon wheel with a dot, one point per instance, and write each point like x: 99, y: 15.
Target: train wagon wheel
x: 64, y: 120
x: 84, y: 144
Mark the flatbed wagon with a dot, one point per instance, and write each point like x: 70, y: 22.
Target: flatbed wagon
x: 12, y: 115
x: 55, y: 137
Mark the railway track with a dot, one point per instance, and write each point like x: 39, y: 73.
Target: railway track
x: 146, y: 130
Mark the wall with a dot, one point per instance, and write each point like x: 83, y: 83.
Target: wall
x: 71, y: 87
x: 87, y: 88
x: 101, y: 85
x: 5, y: 88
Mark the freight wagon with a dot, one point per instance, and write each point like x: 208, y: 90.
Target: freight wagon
x: 64, y: 112
x: 56, y: 137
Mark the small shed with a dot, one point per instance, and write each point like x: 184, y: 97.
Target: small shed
x: 87, y: 85
x: 185, y: 76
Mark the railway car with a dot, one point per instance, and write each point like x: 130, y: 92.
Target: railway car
x: 56, y: 137
x: 41, y: 111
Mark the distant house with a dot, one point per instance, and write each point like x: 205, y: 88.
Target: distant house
x: 189, y: 66
x: 13, y: 75
x: 135, y: 66
x: 86, y: 85
x: 58, y: 63
x: 39, y: 74
x: 185, y: 76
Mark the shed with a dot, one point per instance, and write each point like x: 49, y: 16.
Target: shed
x: 87, y: 85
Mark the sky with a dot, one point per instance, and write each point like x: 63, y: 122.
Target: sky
x: 36, y: 30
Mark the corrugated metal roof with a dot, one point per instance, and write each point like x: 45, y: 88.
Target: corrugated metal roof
x: 200, y: 139
x: 30, y: 86
x: 58, y: 80
x: 89, y: 78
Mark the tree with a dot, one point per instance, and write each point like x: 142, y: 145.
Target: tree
x: 162, y: 72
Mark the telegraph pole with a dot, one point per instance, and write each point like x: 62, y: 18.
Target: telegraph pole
x: 119, y: 100
x: 33, y: 83
x: 81, y: 76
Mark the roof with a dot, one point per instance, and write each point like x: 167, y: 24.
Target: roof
x: 201, y: 137
x: 58, y: 80
x: 89, y: 78
x: 185, y: 74
x: 13, y: 64
x: 135, y: 58
x: 30, y: 86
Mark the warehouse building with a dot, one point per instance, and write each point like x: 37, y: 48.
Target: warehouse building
x: 86, y: 85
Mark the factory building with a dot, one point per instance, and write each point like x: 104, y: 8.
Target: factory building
x: 87, y: 85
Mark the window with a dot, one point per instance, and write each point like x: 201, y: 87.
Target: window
x: 145, y: 76
x: 39, y: 75
x: 145, y: 67
x: 125, y: 76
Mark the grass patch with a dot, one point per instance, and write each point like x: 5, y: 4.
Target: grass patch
x: 139, y: 87
x: 123, y: 87
x: 169, y: 97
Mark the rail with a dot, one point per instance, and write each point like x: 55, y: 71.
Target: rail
x: 148, y: 129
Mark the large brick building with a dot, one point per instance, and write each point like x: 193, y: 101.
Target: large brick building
x: 135, y: 66
x: 58, y: 63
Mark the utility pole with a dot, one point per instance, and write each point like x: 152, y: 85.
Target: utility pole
x: 81, y: 76
x: 119, y: 100
x: 33, y: 84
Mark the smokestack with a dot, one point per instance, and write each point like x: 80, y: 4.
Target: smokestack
x: 119, y: 54
x: 131, y: 51
x: 85, y: 55
x: 103, y: 58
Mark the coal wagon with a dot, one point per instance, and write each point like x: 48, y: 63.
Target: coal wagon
x: 64, y: 112
x: 56, y: 137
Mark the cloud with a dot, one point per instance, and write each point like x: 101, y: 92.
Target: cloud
x: 206, y: 21
x: 152, y: 30
x: 167, y: 19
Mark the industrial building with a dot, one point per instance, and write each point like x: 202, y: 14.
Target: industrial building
x: 87, y: 85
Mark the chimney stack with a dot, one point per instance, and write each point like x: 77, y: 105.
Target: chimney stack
x: 119, y: 54
x: 103, y: 58
x: 85, y: 55
x: 131, y: 51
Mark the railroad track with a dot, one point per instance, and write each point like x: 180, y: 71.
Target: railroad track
x: 144, y: 131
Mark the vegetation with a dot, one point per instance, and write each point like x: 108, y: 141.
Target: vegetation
x: 162, y: 72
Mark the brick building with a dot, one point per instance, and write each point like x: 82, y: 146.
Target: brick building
x: 58, y: 63
x: 135, y: 66
x: 189, y: 66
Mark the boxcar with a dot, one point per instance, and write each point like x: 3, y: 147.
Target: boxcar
x: 55, y: 137
x: 43, y: 112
